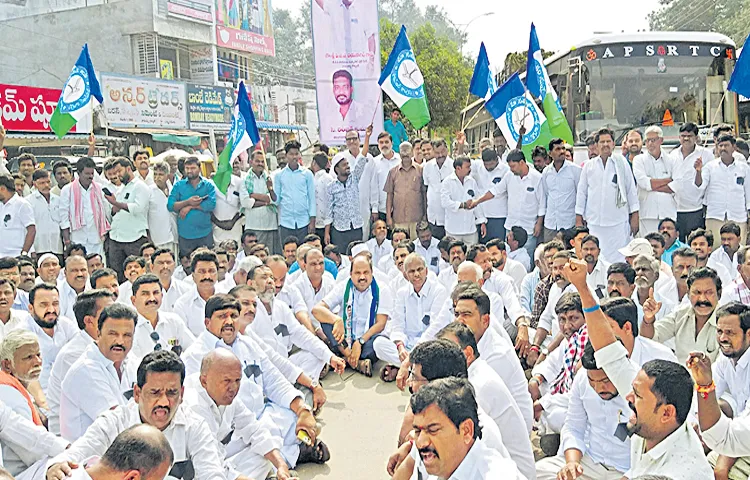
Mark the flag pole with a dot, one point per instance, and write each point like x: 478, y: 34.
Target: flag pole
x: 713, y: 120
x: 463, y: 115
x: 463, y: 126
x: 377, y: 104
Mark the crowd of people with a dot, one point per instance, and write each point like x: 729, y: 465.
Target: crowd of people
x: 152, y: 319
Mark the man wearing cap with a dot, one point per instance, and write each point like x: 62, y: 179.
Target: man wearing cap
x: 48, y: 268
x: 343, y: 199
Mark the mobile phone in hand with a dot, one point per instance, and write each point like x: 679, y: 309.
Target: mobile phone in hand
x: 106, y: 192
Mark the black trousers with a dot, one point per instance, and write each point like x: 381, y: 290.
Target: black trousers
x: 689, y: 221
x: 343, y: 239
x: 118, y: 252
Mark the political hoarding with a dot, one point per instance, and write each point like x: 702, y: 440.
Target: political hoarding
x: 131, y: 102
x: 29, y: 109
x: 246, y: 26
x: 346, y: 44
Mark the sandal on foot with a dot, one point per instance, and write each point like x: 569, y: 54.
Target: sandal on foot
x: 318, y: 454
x: 388, y: 373
x: 365, y: 367
x: 324, y: 372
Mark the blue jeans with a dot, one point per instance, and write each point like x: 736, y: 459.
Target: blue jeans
x: 368, y: 351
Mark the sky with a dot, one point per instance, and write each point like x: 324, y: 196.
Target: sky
x: 558, y: 28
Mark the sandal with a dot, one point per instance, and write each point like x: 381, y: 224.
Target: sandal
x: 365, y: 367
x: 388, y: 373
x: 314, y: 454
x: 324, y: 372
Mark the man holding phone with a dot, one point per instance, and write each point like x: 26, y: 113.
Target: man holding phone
x: 193, y: 199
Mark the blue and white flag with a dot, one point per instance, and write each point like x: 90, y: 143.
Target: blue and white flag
x: 80, y: 94
x: 512, y: 106
x: 243, y: 134
x: 740, y: 81
x: 483, y: 82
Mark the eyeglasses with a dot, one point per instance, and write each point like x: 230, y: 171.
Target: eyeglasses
x: 351, y: 139
x: 176, y: 348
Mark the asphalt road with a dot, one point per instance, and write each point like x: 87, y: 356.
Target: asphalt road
x: 360, y: 424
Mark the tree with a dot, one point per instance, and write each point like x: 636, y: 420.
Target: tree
x: 516, y: 62
x: 446, y: 73
x: 730, y: 17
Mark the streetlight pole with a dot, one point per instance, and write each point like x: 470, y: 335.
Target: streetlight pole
x: 466, y: 26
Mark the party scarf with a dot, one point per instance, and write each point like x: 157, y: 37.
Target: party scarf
x: 572, y: 355
x: 373, y: 308
x: 250, y: 185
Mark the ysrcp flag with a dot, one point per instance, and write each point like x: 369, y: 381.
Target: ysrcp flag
x: 243, y: 134
x: 483, y: 82
x: 740, y: 81
x: 512, y: 106
x: 79, y: 96
x: 404, y: 83
x: 537, y: 81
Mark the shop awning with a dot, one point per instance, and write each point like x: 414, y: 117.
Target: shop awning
x: 279, y: 126
x: 188, y: 138
x: 13, y: 139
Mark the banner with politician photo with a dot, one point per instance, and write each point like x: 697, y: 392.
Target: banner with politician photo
x: 346, y: 44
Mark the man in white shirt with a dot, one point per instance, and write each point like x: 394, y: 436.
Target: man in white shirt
x: 689, y: 197
x: 653, y: 173
x: 106, y: 279
x: 319, y: 166
x: 258, y: 199
x: 17, y: 224
x: 548, y: 325
x: 163, y: 266
x: 247, y: 447
x: 494, y: 398
x: 379, y: 245
x: 660, y: 395
x: 730, y: 244
x: 596, y: 276
x: 607, y: 198
x: 157, y: 402
x: 48, y: 268
x: 702, y: 242
x: 10, y: 318
x: 52, y: 329
x: 313, y: 285
x: 192, y: 304
x: 738, y: 290
x: 383, y: 164
x: 457, y: 254
x: 460, y: 454
x: 162, y: 223
x: 102, y: 378
x: 646, y: 277
x: 46, y: 206
x: 227, y: 220
x: 521, y: 185
x: 458, y: 196
x: 559, y: 185
x: 83, y: 209
x: 156, y: 329
x: 590, y: 448
x: 283, y: 290
x: 726, y: 183
x: 142, y: 164
x: 129, y: 225
x: 365, y: 308
x: 416, y: 304
x: 88, y: 307
x: 274, y: 401
x: 427, y: 246
x: 436, y: 170
x: 133, y: 267
x: 20, y: 367
x: 675, y: 289
x: 488, y: 172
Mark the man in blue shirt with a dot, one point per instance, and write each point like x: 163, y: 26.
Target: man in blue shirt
x: 668, y: 230
x: 193, y: 199
x: 396, y: 129
x: 295, y: 195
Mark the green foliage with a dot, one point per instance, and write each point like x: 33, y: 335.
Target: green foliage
x: 516, y: 62
x: 446, y: 73
x: 730, y: 17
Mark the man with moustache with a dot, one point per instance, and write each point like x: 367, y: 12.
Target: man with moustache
x: 192, y: 304
x: 730, y: 244
x: 163, y: 266
x: 548, y: 325
x: 102, y: 378
x: 193, y: 199
x: 383, y: 163
x: 155, y: 329
x: 343, y: 197
x: 675, y: 290
x: 595, y: 265
x: 702, y: 242
x: 72, y: 284
x: 52, y: 329
x: 48, y: 268
x: 488, y: 171
x: 87, y: 309
x: 646, y: 276
x: 502, y: 263
x: 157, y: 402
x: 272, y: 399
x: 659, y: 395
x: 247, y: 447
x: 457, y: 254
x: 105, y: 279
x: 10, y: 318
x: 313, y: 285
x: 46, y: 207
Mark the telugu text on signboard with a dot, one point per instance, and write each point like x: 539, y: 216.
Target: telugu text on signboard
x: 209, y: 107
x: 28, y: 109
x: 245, y: 25
x: 144, y: 103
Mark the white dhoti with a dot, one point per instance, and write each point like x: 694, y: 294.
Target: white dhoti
x: 282, y: 422
x: 611, y: 239
x: 245, y: 461
x: 95, y: 248
x: 386, y: 350
x: 647, y: 225
x: 555, y: 409
x: 234, y: 234
x: 547, y: 468
x: 309, y: 363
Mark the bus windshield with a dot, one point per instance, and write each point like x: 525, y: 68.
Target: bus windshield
x: 648, y: 88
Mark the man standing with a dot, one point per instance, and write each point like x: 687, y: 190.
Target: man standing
x: 319, y: 167
x: 18, y: 228
x: 227, y: 220
x: 162, y: 223
x: 101, y: 378
x: 193, y: 199
x: 142, y: 164
x: 258, y: 200
x: 436, y: 169
x: 383, y: 164
x: 295, y: 192
x: 405, y: 193
x: 83, y: 210
x: 488, y: 172
x: 653, y: 173
x: 129, y: 217
x: 343, y: 199
x: 607, y: 200
x: 26, y: 167
x: 633, y: 145
x: 558, y: 185
x: 689, y: 197
x: 459, y: 195
x: 726, y: 183
x: 368, y: 194
x: 396, y: 129
x: 63, y: 173
x: 46, y: 207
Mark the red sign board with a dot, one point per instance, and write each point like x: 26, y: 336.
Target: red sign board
x: 242, y: 40
x: 27, y: 109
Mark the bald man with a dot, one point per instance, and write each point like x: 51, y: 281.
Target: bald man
x: 248, y: 448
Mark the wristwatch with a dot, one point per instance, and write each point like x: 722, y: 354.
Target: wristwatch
x: 545, y: 351
x: 24, y: 253
x: 361, y: 341
x: 314, y: 384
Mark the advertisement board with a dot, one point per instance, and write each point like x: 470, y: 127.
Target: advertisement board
x: 28, y: 109
x: 194, y: 10
x: 131, y: 102
x: 245, y: 25
x: 346, y: 45
x: 209, y: 107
